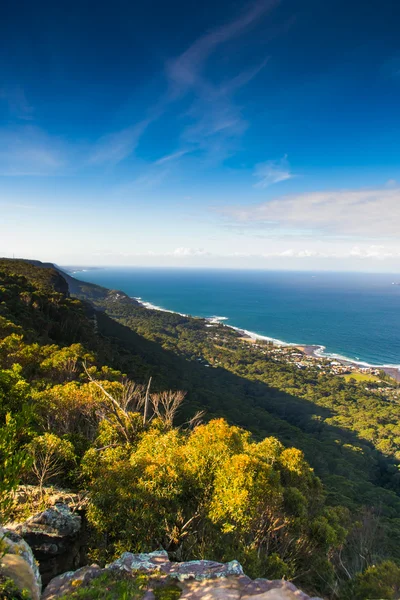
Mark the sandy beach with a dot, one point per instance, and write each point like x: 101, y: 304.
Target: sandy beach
x: 313, y: 351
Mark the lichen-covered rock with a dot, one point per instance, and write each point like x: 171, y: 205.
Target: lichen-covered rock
x: 153, y: 561
x: 36, y: 498
x: 18, y: 563
x: 62, y: 585
x: 204, y: 569
x: 159, y: 561
x: 56, y: 539
x: 57, y: 520
x: 198, y: 579
x: 237, y: 588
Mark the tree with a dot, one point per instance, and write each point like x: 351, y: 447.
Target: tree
x: 69, y: 409
x: 212, y: 493
x: 380, y: 581
x: 50, y: 457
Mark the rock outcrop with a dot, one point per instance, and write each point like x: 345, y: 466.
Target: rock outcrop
x: 34, y: 499
x: 56, y: 538
x: 199, y: 579
x: 18, y: 563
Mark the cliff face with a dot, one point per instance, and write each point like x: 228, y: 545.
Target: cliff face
x: 59, y: 283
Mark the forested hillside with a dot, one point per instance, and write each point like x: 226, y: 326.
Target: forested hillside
x: 350, y: 434
x: 232, y: 482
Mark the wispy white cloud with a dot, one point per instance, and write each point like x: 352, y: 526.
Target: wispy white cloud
x: 185, y: 71
x: 215, y: 120
x: 391, y: 183
x: 271, y: 172
x: 367, y: 252
x: 371, y: 213
x: 364, y: 253
x: 114, y: 147
x: 152, y: 178
x: 181, y: 252
x: 211, y: 122
x: 26, y: 150
x: 171, y: 157
x: 184, y: 252
x: 374, y: 252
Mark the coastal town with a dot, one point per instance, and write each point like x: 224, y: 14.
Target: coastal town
x: 382, y: 380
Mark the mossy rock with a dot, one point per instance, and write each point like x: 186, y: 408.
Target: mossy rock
x: 109, y: 586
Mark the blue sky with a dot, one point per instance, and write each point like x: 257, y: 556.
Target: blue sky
x: 249, y: 134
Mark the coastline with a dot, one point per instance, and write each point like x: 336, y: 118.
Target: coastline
x: 315, y: 351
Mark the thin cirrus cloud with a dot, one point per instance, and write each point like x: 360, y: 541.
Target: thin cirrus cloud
x: 216, y: 122
x: 370, y: 213
x: 114, y: 147
x: 212, y: 122
x: 171, y: 157
x: 185, y: 71
x: 272, y: 172
x: 28, y: 151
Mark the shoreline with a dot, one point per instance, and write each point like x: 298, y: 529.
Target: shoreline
x: 315, y: 351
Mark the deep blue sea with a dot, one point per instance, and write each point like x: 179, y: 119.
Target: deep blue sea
x: 354, y: 315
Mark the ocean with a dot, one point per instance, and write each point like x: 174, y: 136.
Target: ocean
x: 350, y: 315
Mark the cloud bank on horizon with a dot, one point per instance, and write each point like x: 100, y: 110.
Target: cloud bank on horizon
x: 264, y: 134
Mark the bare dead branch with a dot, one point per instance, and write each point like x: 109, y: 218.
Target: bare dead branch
x: 146, y: 402
x: 196, y: 420
x: 166, y: 404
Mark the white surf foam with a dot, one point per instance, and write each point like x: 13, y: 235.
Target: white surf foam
x: 215, y: 320
x: 321, y: 352
x: 151, y: 306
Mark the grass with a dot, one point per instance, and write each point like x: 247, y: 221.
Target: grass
x: 223, y: 348
x: 361, y: 377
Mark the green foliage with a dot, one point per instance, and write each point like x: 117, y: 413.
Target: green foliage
x: 209, y: 490
x: 380, y: 581
x: 13, y: 461
x: 9, y: 591
x: 64, y: 363
x: 14, y: 392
